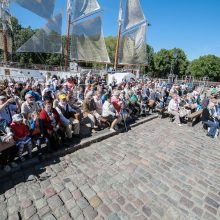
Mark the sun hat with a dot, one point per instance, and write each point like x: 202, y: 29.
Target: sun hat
x: 62, y: 96
x: 2, y: 97
x: 17, y: 118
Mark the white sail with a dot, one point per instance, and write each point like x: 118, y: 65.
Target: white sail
x: 83, y: 8
x: 133, y: 14
x: 69, y: 7
x: 133, y: 46
x: 88, y: 42
x: 47, y: 39
x: 43, y: 8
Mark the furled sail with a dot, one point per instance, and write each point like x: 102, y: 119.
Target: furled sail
x: 43, y: 8
x: 88, y: 42
x: 133, y: 14
x: 84, y: 8
x: 47, y: 39
x: 133, y: 46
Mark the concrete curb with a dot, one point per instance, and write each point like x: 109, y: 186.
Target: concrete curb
x: 72, y: 148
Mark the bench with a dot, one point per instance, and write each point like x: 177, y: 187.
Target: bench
x: 162, y: 112
x: 5, y: 146
x: 194, y: 118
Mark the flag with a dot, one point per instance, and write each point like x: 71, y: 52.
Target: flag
x: 69, y: 6
x: 120, y: 14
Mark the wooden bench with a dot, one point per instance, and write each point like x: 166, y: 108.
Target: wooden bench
x: 162, y: 112
x: 194, y: 118
x: 5, y: 146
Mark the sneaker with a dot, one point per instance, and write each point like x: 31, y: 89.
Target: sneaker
x: 94, y: 131
x: 116, y: 127
x: 112, y: 130
x: 13, y: 165
x: 22, y: 159
x: 210, y: 136
x: 7, y: 168
x: 180, y: 125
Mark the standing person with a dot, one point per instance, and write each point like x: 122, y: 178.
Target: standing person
x: 173, y: 109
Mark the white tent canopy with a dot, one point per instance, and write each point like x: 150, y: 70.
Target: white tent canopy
x: 119, y: 77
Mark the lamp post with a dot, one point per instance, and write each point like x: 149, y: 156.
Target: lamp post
x: 175, y: 54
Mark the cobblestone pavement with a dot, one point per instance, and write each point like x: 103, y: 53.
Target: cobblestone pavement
x: 156, y: 171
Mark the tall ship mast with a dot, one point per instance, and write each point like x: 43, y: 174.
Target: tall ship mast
x: 84, y: 39
x: 131, y: 41
x: 5, y: 30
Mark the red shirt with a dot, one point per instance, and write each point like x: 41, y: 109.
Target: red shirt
x: 116, y: 103
x: 47, y: 121
x: 20, y: 130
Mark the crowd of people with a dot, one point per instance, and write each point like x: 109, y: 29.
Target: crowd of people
x: 33, y: 114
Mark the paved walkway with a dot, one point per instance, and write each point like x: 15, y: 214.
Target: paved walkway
x: 148, y: 173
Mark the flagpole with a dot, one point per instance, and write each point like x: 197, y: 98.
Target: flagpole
x: 118, y: 37
x: 69, y: 9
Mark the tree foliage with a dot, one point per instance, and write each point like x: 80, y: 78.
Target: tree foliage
x: 160, y: 64
x: 206, y: 66
x: 170, y: 62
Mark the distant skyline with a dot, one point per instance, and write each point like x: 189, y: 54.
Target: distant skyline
x: 192, y: 25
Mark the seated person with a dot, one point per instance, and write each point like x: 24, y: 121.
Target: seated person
x: 51, y: 125
x: 173, y: 109
x: 109, y: 113
x: 67, y: 116
x: 36, y: 130
x: 208, y: 119
x: 7, y: 149
x: 89, y: 109
x: 72, y: 101
x: 21, y: 136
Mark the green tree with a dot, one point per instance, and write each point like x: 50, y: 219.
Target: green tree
x: 206, y: 66
x: 164, y: 60
x: 111, y: 45
x: 150, y: 68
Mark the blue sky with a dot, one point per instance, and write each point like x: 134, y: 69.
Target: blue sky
x: 192, y: 25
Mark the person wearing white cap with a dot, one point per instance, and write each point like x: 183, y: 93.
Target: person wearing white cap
x: 29, y: 106
x: 21, y: 136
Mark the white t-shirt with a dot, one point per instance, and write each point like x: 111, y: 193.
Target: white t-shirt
x: 173, y: 105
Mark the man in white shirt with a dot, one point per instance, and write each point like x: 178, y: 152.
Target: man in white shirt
x: 173, y: 109
x: 109, y: 113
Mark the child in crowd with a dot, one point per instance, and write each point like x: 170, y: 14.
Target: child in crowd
x: 21, y: 136
x: 36, y: 131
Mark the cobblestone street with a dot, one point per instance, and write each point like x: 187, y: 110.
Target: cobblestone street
x: 155, y: 171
